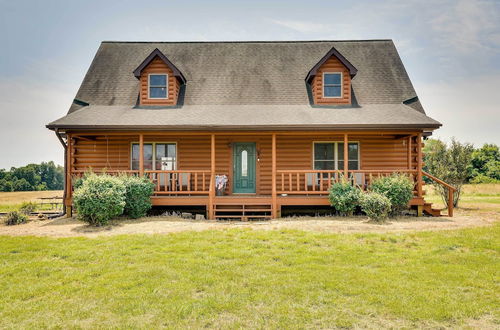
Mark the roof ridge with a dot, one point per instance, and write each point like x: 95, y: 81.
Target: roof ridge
x: 241, y: 41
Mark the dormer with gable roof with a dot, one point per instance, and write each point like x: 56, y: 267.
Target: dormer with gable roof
x: 330, y: 80
x: 160, y: 81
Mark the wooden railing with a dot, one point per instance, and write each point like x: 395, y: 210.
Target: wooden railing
x: 188, y: 182
x: 81, y: 173
x: 363, y: 178
x: 305, y: 182
x: 451, y: 191
x: 185, y: 182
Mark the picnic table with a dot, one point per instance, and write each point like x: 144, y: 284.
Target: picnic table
x: 56, y: 202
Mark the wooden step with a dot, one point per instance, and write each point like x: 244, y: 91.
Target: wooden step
x: 242, y: 211
x: 431, y: 211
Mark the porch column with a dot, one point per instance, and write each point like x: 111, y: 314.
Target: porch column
x: 273, y: 169
x: 211, y: 189
x: 141, y: 155
x: 346, y: 157
x: 419, y: 164
x: 409, y: 152
x: 69, y: 168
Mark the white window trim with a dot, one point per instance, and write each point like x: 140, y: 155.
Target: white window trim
x: 341, y: 86
x: 154, y: 152
x: 149, y: 86
x: 336, y: 153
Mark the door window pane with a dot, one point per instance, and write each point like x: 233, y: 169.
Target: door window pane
x: 244, y: 163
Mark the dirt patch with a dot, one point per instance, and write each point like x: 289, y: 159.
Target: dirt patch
x: 164, y: 225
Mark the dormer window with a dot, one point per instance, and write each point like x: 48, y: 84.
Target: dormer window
x: 158, y: 86
x: 332, y: 84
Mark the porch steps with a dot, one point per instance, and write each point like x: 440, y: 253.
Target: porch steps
x: 431, y: 211
x: 242, y: 211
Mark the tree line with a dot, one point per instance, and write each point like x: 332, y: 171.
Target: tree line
x: 44, y: 176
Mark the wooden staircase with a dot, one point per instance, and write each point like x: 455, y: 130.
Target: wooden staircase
x: 428, y: 209
x: 242, y: 211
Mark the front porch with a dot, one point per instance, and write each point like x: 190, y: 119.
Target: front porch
x: 286, y: 167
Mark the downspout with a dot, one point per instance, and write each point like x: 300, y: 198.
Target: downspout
x: 65, y: 146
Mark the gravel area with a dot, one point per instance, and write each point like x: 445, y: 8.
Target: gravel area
x: 163, y: 225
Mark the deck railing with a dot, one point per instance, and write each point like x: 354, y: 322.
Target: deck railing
x: 185, y: 182
x: 307, y: 182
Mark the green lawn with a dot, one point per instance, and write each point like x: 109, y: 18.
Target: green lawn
x: 245, y: 278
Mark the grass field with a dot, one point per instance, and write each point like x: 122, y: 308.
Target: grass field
x: 248, y: 278
x: 10, y: 201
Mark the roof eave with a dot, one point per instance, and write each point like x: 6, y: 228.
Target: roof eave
x: 253, y: 127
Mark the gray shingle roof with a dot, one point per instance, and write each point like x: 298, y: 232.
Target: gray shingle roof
x: 231, y: 83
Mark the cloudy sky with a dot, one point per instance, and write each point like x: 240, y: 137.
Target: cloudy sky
x: 451, y: 50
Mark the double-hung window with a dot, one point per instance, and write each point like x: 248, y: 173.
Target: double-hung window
x: 332, y: 84
x: 158, y: 86
x: 330, y: 156
x: 157, y: 156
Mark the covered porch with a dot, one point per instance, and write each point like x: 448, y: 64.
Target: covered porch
x: 265, y: 170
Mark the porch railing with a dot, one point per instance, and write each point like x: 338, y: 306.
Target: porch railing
x: 185, y: 182
x: 310, y: 182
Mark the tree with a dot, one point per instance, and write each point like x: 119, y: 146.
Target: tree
x: 485, y: 163
x: 44, y: 176
x: 450, y: 163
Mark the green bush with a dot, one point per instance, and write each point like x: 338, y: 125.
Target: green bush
x: 99, y: 199
x: 28, y: 207
x: 398, y: 188
x: 138, y: 193
x: 344, y: 197
x: 375, y: 205
x: 16, y: 218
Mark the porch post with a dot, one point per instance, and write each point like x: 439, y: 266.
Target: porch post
x: 409, y: 152
x: 274, y: 197
x: 69, y: 167
x: 419, y: 164
x: 346, y: 157
x: 141, y: 155
x: 211, y: 189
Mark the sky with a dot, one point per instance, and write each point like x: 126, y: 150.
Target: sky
x: 450, y: 48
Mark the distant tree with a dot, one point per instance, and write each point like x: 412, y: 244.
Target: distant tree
x: 44, y: 176
x: 485, y: 164
x: 21, y: 185
x: 450, y: 163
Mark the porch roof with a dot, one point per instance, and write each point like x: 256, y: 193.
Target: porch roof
x: 248, y: 117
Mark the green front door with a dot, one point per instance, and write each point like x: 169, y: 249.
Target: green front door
x: 244, y: 168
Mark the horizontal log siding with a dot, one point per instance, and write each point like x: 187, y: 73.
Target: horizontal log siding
x: 158, y: 66
x: 331, y: 65
x: 193, y: 153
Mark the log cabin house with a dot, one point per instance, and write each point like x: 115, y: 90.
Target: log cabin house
x: 281, y: 120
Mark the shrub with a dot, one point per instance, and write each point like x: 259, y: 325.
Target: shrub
x: 138, y: 193
x: 16, y: 218
x: 28, y: 207
x: 344, y: 197
x: 375, y: 205
x: 99, y: 199
x: 398, y: 188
